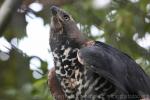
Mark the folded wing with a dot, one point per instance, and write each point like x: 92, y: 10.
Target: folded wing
x: 117, y: 67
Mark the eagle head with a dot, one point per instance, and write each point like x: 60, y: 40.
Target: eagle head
x: 61, y: 21
x: 63, y: 28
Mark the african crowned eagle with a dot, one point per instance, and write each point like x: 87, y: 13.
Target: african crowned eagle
x: 91, y: 70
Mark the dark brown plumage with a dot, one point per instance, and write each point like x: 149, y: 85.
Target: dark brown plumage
x: 54, y: 85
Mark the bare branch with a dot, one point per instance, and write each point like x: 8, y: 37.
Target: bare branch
x: 6, y: 11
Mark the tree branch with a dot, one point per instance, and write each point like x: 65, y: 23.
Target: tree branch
x: 6, y: 11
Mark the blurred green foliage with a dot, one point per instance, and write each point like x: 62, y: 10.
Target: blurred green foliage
x: 120, y: 21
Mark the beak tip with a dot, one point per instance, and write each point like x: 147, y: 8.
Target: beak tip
x: 54, y: 10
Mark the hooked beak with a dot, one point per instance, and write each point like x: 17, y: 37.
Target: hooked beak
x: 54, y: 10
x: 56, y: 25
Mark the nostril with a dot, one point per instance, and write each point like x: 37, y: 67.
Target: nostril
x: 54, y: 10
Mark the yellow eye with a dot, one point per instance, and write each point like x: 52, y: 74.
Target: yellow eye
x: 66, y: 17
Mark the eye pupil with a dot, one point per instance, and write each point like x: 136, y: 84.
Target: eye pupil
x: 66, y: 17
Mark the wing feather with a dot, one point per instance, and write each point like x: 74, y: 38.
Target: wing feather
x: 116, y: 66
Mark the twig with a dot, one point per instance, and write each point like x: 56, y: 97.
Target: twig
x: 6, y: 11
